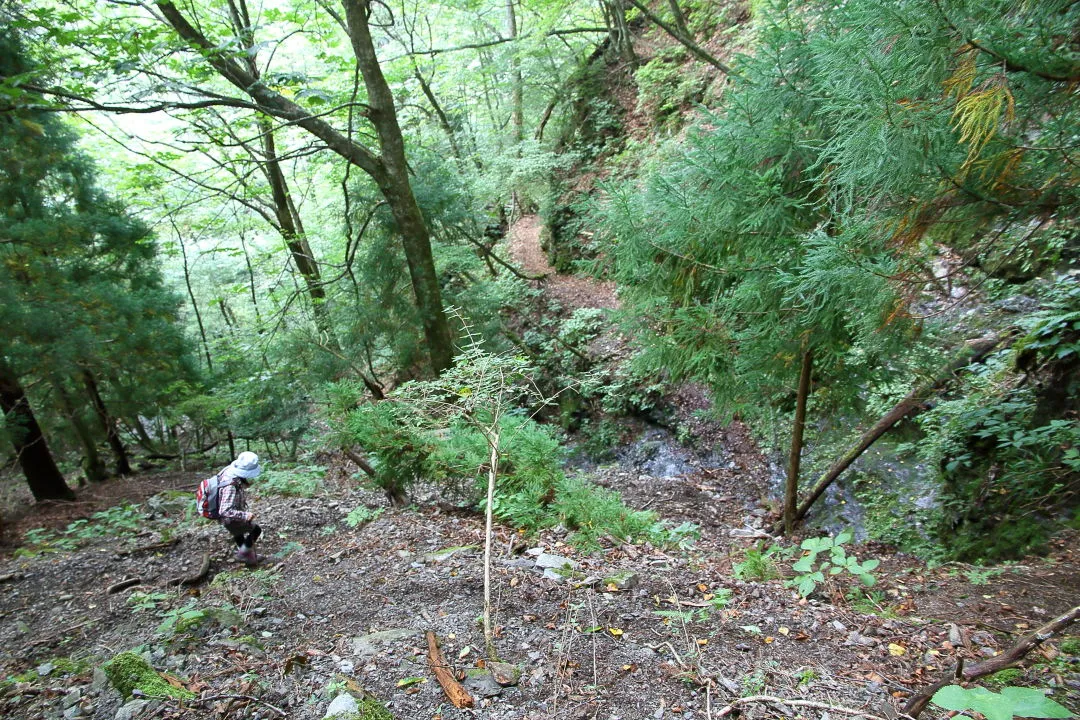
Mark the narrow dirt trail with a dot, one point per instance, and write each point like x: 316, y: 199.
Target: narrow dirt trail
x: 570, y: 291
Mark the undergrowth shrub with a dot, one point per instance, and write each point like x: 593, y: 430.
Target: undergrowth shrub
x: 300, y: 481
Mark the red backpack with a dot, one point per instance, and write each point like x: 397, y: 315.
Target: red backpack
x: 206, y: 497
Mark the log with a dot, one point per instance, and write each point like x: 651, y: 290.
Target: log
x: 975, y: 351
x: 1007, y: 659
x: 204, y: 570
x: 457, y: 694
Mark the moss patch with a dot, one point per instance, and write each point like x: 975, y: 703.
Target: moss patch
x: 128, y: 671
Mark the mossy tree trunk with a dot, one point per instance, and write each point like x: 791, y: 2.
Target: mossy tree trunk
x: 35, y: 459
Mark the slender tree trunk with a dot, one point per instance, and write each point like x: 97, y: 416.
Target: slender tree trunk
x: 123, y: 466
x: 914, y: 402
x: 191, y: 295
x: 680, y: 19
x: 489, y: 514
x: 92, y: 464
x: 393, y: 181
x: 38, y: 466
x: 444, y: 120
x: 791, y: 490
x: 619, y: 31
x: 517, y: 110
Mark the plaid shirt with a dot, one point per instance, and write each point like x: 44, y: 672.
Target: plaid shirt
x: 231, y: 500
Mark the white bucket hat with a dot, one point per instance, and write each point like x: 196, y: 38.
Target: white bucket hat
x: 246, y: 465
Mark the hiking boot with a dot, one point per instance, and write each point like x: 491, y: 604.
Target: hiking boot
x: 247, y: 556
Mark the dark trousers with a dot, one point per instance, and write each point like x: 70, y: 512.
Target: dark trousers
x: 244, y: 533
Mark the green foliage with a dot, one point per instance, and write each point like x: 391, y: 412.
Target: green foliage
x: 143, y: 601
x: 116, y: 521
x: 1011, y: 702
x: 361, y: 515
x: 810, y: 571
x: 300, y: 481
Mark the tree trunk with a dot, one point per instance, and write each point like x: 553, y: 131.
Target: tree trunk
x: 791, y: 490
x: 393, y: 181
x: 680, y: 19
x: 92, y: 464
x: 38, y: 466
x: 975, y: 351
x: 517, y: 111
x: 684, y: 40
x: 123, y: 466
x: 388, y: 169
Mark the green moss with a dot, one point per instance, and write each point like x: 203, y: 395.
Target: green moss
x: 1008, y: 676
x: 370, y: 709
x: 128, y: 671
x: 1071, y: 646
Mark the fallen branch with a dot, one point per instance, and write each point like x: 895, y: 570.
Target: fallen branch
x: 794, y: 703
x: 1007, y: 659
x: 122, y: 585
x: 361, y: 463
x: 8, y: 577
x: 204, y: 570
x: 457, y: 694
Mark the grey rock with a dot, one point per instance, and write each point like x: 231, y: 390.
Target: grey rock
x: 346, y: 667
x: 343, y: 705
x: 101, y: 680
x: 623, y: 580
x: 367, y: 645
x: 480, y: 682
x: 44, y: 669
x: 554, y: 562
x: 839, y: 625
x: 955, y: 637
x: 504, y: 673
x: 73, y: 697
x: 550, y: 574
x: 130, y: 710
x: 73, y: 712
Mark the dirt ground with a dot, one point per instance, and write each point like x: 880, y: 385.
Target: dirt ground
x: 334, y: 607
x: 349, y: 586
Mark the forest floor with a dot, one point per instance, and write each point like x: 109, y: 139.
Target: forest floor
x: 343, y: 598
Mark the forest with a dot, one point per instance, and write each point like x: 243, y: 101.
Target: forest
x: 602, y: 359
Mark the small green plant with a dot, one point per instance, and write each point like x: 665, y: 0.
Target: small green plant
x: 1071, y: 646
x: 361, y: 515
x: 1011, y: 702
x: 718, y: 602
x: 753, y: 684
x: 759, y: 563
x: 811, y: 572
x: 871, y: 603
x: 142, y: 601
x: 805, y: 676
x: 982, y: 576
x: 179, y: 620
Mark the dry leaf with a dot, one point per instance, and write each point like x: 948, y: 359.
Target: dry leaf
x: 897, y: 650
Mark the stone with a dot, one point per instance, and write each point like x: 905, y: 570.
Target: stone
x: 346, y: 667
x: 73, y: 712
x: 550, y: 574
x: 504, y: 673
x: 479, y: 682
x: 622, y: 581
x: 100, y: 679
x: 130, y: 710
x: 72, y: 697
x: 344, y: 705
x: 554, y: 562
x: 366, y: 645
x: 44, y: 669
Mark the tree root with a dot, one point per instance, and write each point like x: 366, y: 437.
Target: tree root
x: 123, y: 585
x: 204, y: 570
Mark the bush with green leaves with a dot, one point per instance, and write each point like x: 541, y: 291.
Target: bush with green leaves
x: 116, y: 521
x: 299, y: 481
x: 826, y: 557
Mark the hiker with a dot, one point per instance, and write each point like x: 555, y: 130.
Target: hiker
x: 231, y: 507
